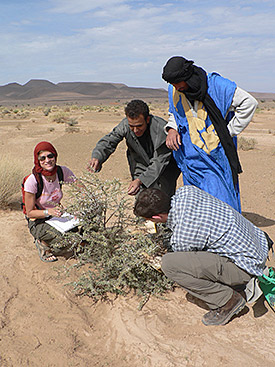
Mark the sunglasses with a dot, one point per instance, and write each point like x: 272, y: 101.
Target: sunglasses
x: 43, y: 157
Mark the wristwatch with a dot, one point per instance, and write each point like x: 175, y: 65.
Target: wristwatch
x: 46, y: 213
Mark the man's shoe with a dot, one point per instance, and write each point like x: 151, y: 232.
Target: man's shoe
x: 223, y: 314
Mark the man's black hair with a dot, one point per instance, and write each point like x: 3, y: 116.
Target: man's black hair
x: 135, y: 108
x: 152, y: 202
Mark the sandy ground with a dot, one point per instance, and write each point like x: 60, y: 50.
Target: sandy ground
x: 43, y: 323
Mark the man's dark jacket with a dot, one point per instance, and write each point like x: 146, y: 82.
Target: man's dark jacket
x: 160, y: 171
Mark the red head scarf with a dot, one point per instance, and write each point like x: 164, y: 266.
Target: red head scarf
x: 43, y: 146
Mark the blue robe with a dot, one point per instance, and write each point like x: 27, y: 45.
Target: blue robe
x: 201, y: 157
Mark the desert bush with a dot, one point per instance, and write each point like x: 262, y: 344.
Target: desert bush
x: 72, y: 121
x: 74, y: 107
x: 46, y: 111
x: 246, y: 144
x: 72, y: 129
x: 5, y: 112
x: 87, y: 108
x: 11, y: 175
x: 103, y: 109
x: 23, y: 115
x: 60, y: 117
x: 54, y: 108
x: 116, y: 251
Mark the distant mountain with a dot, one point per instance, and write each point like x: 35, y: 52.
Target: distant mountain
x: 267, y: 96
x: 43, y: 91
x: 38, y: 91
x: 86, y: 88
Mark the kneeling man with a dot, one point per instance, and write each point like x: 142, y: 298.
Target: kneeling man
x: 215, y: 249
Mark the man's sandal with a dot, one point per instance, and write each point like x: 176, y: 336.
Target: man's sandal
x: 44, y: 252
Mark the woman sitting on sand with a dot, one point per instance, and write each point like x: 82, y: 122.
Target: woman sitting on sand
x: 48, y: 203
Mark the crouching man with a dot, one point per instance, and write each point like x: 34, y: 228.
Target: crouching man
x: 151, y: 163
x: 215, y: 249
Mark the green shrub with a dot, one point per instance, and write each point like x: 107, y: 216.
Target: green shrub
x: 116, y: 251
x: 11, y: 176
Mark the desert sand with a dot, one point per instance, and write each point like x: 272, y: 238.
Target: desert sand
x: 43, y: 323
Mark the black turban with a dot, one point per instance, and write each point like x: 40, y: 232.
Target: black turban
x: 177, y: 69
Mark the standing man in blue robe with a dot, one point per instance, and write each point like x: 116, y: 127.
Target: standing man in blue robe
x: 206, y: 112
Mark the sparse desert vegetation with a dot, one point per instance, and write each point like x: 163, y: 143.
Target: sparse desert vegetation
x: 42, y: 320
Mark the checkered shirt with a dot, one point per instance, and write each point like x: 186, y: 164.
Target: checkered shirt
x: 200, y: 222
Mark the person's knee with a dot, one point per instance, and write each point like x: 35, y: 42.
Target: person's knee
x: 178, y: 266
x: 168, y: 264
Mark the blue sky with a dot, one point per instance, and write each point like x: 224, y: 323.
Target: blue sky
x: 129, y: 41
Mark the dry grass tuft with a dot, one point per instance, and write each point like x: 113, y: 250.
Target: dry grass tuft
x: 246, y: 143
x: 60, y: 117
x: 11, y: 176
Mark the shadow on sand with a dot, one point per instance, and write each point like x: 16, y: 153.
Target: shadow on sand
x: 258, y: 219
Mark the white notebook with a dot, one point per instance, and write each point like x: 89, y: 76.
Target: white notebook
x: 63, y: 223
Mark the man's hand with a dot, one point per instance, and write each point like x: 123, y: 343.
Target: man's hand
x: 173, y: 140
x: 94, y: 165
x: 134, y: 187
